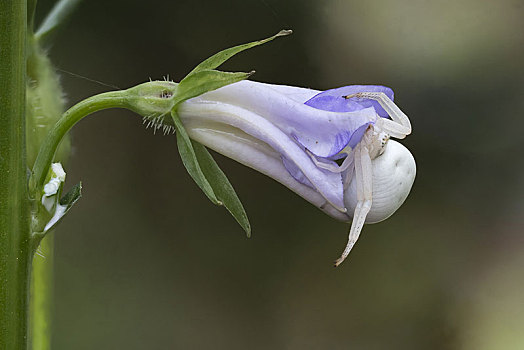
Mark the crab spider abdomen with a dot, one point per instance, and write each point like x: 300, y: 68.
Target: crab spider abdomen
x: 393, y: 175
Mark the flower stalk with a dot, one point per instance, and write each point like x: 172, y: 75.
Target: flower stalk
x: 112, y: 99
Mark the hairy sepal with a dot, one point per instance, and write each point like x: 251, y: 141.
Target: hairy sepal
x: 221, y: 186
x: 217, y: 59
x: 190, y: 160
x: 196, y: 84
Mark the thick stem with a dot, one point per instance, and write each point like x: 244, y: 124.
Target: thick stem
x: 15, y: 247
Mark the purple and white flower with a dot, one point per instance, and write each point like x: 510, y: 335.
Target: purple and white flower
x: 332, y: 147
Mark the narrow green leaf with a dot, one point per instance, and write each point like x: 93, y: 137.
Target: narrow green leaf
x: 222, y: 56
x: 56, y: 17
x: 196, y: 84
x: 189, y: 158
x: 221, y: 185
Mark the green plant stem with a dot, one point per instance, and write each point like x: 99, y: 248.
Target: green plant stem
x: 42, y: 294
x: 15, y: 233
x: 112, y: 99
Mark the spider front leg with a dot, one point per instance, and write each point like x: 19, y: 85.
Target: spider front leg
x: 363, y: 178
x: 400, y: 126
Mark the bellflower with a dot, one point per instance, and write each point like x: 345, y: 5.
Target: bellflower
x: 297, y: 135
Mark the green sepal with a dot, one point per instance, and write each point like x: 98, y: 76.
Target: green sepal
x: 221, y: 186
x: 204, y: 78
x: 196, y: 84
x: 72, y: 196
x: 189, y: 158
x: 60, y: 13
x: 222, y: 56
x: 208, y: 176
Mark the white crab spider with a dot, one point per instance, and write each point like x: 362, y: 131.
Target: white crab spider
x: 375, y: 158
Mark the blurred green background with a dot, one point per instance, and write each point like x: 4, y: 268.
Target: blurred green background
x: 145, y: 261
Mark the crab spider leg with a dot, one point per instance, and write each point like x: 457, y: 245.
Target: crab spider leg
x: 400, y: 125
x: 392, y: 128
x: 364, y: 175
x: 351, y: 169
x: 329, y: 166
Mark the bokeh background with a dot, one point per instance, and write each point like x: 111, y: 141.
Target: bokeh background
x: 145, y: 261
